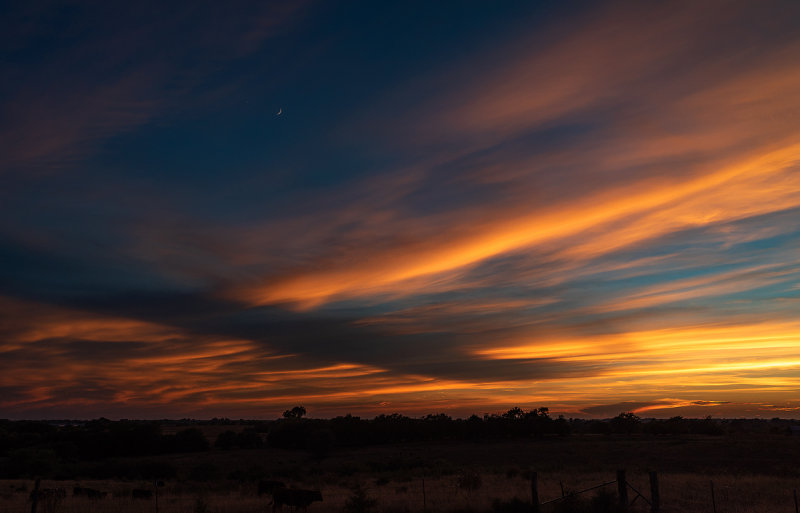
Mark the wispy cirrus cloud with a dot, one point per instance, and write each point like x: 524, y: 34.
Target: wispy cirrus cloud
x: 81, y: 74
x: 641, y: 141
x: 600, y: 215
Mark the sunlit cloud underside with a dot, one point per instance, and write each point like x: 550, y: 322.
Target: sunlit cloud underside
x: 597, y: 217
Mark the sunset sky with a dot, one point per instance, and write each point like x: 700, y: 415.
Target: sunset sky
x: 217, y: 209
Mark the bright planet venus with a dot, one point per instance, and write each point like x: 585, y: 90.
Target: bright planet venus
x: 212, y: 209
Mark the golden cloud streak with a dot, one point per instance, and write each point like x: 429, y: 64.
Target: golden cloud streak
x: 763, y: 338
x: 728, y: 362
x: 696, y: 148
x: 731, y: 193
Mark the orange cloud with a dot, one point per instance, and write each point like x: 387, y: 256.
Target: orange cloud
x: 730, y: 362
x: 699, y: 147
x: 610, y: 133
x: 642, y: 211
x: 66, y: 358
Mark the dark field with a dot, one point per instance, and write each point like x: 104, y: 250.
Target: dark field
x: 751, y: 472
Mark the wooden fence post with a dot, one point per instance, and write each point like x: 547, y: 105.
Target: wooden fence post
x: 155, y: 492
x: 713, y: 499
x: 424, y: 501
x: 35, y: 494
x: 534, y: 492
x: 622, y: 490
x: 655, y: 496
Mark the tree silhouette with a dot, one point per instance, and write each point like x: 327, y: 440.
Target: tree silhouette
x: 295, y: 413
x: 627, y: 422
x: 515, y: 413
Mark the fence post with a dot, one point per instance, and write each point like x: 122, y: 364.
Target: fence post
x: 655, y: 496
x: 796, y: 508
x: 424, y: 502
x: 35, y: 495
x: 534, y: 492
x: 713, y: 499
x: 155, y: 492
x: 622, y: 490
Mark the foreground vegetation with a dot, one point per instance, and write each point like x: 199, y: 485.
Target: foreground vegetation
x: 383, y: 465
x: 498, y: 494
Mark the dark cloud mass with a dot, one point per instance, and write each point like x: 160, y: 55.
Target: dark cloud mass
x: 461, y: 208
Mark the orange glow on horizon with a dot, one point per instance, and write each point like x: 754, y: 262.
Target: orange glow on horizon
x: 595, y: 215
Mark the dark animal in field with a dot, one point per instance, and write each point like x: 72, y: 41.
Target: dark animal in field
x: 49, y: 494
x: 268, y: 486
x: 89, y: 493
x: 139, y: 493
x: 297, y: 499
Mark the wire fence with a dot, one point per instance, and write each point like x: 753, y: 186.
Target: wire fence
x: 719, y: 499
x: 638, y: 492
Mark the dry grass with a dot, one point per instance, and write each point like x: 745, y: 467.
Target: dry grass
x: 686, y: 493
x: 752, y: 474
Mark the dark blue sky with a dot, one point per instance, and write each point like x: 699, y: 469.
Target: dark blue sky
x: 462, y: 206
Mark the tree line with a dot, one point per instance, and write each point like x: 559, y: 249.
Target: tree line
x: 30, y: 448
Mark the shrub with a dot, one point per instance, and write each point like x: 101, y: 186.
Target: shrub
x: 469, y: 481
x: 249, y: 439
x: 359, y: 502
x: 319, y: 442
x: 515, y: 505
x: 226, y: 440
x: 152, y: 469
x: 572, y: 504
x: 200, y: 505
x: 187, y: 440
x: 203, y: 472
x: 30, y: 463
x: 605, y: 501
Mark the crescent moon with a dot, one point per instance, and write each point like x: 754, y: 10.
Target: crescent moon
x: 279, y: 112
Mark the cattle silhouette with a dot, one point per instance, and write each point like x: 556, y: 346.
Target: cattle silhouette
x: 295, y: 498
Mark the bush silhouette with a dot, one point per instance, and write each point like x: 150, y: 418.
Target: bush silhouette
x: 515, y: 505
x: 469, y: 481
x: 359, y: 502
x: 295, y: 413
x: 226, y: 440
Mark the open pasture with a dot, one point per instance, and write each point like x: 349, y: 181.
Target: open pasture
x: 749, y: 474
